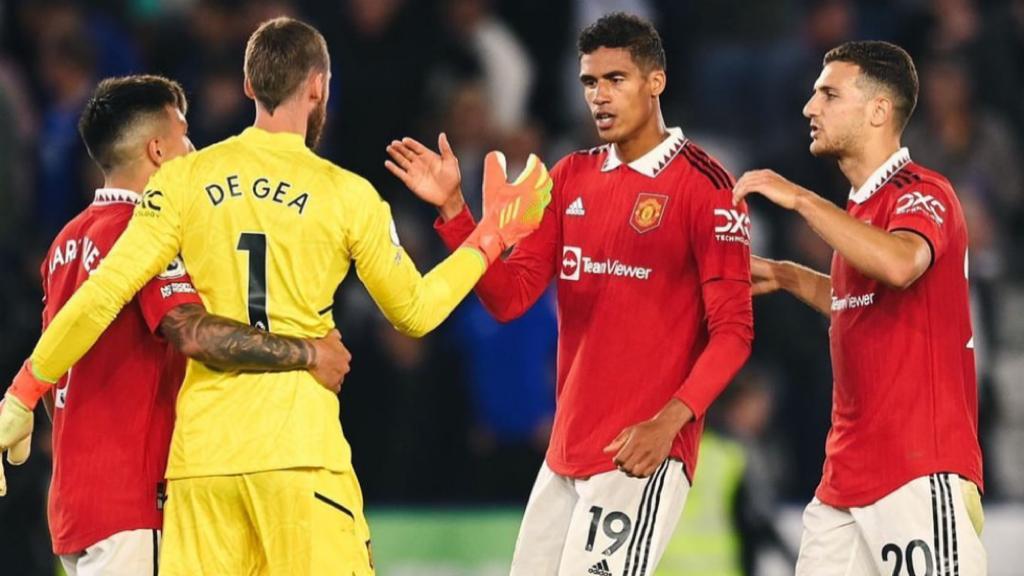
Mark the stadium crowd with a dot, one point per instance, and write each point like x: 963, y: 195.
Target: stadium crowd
x: 503, y: 74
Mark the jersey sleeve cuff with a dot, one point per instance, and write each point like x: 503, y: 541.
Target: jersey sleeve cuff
x: 455, y: 231
x: 923, y: 234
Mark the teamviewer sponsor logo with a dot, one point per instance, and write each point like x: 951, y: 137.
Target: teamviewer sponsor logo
x: 600, y: 569
x: 851, y: 301
x: 574, y: 263
x: 732, y: 226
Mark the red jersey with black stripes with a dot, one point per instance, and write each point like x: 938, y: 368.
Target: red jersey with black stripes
x: 114, y: 410
x: 905, y: 396
x: 652, y: 263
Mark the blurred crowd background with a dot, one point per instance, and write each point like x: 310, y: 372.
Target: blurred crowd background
x: 452, y: 419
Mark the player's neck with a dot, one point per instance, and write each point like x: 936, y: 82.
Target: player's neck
x: 645, y: 140
x: 133, y: 180
x: 284, y: 119
x: 860, y: 166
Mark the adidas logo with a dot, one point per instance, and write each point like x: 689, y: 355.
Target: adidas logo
x: 576, y: 208
x: 600, y: 569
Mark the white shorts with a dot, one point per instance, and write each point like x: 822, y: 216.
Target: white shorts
x: 606, y: 525
x: 128, y: 553
x: 920, y: 529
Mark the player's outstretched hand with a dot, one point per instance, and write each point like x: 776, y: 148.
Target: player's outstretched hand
x: 762, y: 276
x: 434, y: 177
x: 512, y: 210
x: 770, y: 185
x: 332, y: 361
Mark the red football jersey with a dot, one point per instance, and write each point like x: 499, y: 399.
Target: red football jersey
x: 114, y: 410
x: 653, y: 268
x: 905, y: 397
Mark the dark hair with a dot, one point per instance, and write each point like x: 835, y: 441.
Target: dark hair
x: 279, y: 56
x: 117, y: 105
x: 621, y: 30
x: 888, y: 65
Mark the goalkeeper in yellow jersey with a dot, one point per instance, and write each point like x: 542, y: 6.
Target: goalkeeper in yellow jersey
x: 260, y: 475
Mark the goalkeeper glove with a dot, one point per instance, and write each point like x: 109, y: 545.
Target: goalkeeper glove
x: 511, y: 210
x: 16, y: 418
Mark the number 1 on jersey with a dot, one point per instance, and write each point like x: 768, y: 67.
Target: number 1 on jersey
x: 255, y: 243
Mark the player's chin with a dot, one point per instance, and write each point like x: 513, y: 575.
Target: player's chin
x: 608, y: 135
x: 821, y: 149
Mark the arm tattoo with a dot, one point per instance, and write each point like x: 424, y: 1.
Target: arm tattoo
x: 230, y: 345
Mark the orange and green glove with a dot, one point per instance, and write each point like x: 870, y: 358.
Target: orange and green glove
x: 16, y: 418
x: 512, y: 210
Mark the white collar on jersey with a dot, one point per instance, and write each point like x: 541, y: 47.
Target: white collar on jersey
x: 653, y: 162
x: 879, y: 177
x: 115, y: 196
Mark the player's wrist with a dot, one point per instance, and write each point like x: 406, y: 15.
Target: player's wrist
x: 452, y: 206
x: 674, y: 415
x: 27, y: 388
x: 787, y: 274
x: 488, y: 243
x: 804, y: 202
x: 312, y: 358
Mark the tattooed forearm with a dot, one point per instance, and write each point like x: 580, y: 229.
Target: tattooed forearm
x: 230, y: 345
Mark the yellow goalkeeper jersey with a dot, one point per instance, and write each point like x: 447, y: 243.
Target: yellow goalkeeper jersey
x: 267, y: 230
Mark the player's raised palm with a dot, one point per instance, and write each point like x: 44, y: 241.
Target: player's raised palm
x: 432, y: 176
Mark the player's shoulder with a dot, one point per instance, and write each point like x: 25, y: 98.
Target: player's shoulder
x: 914, y: 175
x: 73, y: 228
x: 915, y: 183
x: 346, y: 179
x: 583, y: 160
x: 346, y: 185
x: 102, y: 226
x: 197, y: 162
x: 704, y: 167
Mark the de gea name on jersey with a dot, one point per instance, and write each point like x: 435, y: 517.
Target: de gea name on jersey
x: 262, y: 188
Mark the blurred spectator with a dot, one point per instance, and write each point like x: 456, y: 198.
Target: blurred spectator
x: 975, y: 149
x: 381, y: 52
x: 471, y: 131
x: 65, y: 172
x: 16, y: 140
x: 505, y: 67
x: 547, y: 41
x: 409, y: 408
x: 219, y: 109
x: 729, y: 518
x: 513, y: 400
x: 999, y: 67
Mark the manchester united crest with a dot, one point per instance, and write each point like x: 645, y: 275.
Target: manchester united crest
x: 648, y: 211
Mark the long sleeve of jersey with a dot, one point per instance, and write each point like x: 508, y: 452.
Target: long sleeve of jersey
x: 723, y: 263
x: 730, y: 333
x: 149, y: 243
x: 511, y: 286
x: 414, y: 304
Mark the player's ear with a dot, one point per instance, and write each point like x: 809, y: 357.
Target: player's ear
x: 317, y: 86
x: 247, y: 88
x: 881, y: 111
x: 657, y: 80
x: 155, y: 151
